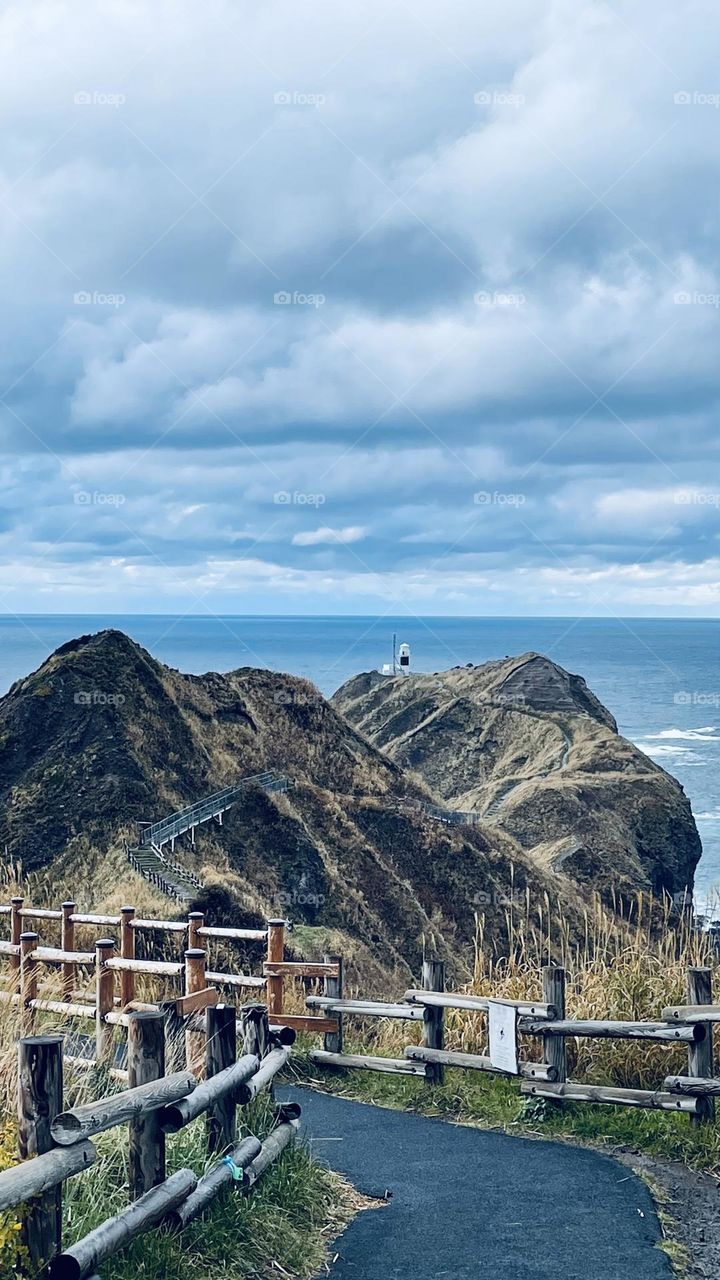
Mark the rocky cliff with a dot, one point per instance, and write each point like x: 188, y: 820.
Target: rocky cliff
x: 102, y: 737
x: 529, y: 748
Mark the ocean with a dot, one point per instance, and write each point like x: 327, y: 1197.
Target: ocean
x: 659, y: 677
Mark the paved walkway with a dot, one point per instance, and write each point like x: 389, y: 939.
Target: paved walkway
x: 469, y: 1205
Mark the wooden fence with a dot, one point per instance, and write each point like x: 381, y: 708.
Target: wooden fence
x: 55, y: 1144
x: 112, y: 998
x: 690, y: 1024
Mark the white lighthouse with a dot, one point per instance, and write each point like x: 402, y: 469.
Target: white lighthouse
x: 404, y: 659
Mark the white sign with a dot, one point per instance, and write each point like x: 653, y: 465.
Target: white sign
x: 502, y: 1027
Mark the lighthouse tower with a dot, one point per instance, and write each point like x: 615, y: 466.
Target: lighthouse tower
x: 404, y: 659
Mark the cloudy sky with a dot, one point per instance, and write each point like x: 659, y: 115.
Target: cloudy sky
x: 346, y: 307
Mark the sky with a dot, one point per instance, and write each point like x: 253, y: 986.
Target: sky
x: 360, y: 307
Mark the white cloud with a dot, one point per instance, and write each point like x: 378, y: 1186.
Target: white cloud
x: 315, y: 537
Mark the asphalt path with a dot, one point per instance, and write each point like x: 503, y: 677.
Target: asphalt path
x: 466, y: 1204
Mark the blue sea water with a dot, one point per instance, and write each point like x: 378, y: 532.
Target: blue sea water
x: 659, y: 677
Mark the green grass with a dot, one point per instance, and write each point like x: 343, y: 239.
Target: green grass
x: 471, y: 1097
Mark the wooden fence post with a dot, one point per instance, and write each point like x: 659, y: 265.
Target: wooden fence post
x: 554, y: 1051
x: 146, y: 1062
x: 256, y: 1034
x: 275, y: 955
x: 174, y: 1037
x: 433, y: 979
x: 40, y: 1100
x: 16, y: 928
x: 104, y: 998
x: 333, y: 1041
x: 221, y: 1052
x: 28, y: 981
x: 67, y: 942
x: 701, y: 1059
x: 127, y: 951
x: 196, y: 920
x: 194, y: 981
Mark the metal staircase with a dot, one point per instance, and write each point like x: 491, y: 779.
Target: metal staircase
x: 171, y: 877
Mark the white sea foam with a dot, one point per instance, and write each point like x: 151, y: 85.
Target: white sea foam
x: 706, y: 734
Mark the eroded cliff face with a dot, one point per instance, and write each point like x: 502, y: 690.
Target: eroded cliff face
x: 529, y: 747
x: 102, y: 736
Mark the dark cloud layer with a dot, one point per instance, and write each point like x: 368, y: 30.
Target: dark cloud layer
x: 333, y: 307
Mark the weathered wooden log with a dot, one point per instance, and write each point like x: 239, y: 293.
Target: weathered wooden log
x: 366, y: 1062
x: 67, y: 943
x: 174, y: 1036
x: 40, y: 913
x: 9, y: 949
x: 275, y: 955
x: 220, y: 1054
x: 281, y: 1034
x: 127, y: 952
x: 237, y: 935
x: 95, y: 1117
x: 55, y: 955
x: 235, y: 979
x: 477, y: 1062
x: 39, y: 1099
x: 162, y: 968
x: 22, y: 1182
x: 272, y: 1147
x: 83, y: 1257
x: 333, y: 990
x: 655, y: 1100
x: 160, y: 926
x: 691, y: 1013
x: 694, y: 1086
x: 476, y: 1004
x: 299, y: 969
x: 223, y: 1175
x: 433, y: 980
x: 66, y: 1010
x: 273, y: 1062
x: 554, y: 1049
x: 600, y: 1030
x: 28, y: 981
x: 84, y: 918
x: 255, y: 1029
x: 196, y: 1002
x: 16, y: 928
x: 196, y: 920
x: 230, y: 1081
x: 313, y: 1025
x: 105, y: 989
x: 701, y: 1058
x: 146, y: 1065
x: 367, y: 1008
x: 195, y: 981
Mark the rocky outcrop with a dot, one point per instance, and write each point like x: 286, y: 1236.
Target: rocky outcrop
x: 102, y: 736
x: 529, y: 747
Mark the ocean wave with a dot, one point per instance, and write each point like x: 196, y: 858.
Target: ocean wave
x: 653, y: 750
x: 712, y: 815
x: 706, y: 734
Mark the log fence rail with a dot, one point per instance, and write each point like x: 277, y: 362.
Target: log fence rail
x: 55, y: 1144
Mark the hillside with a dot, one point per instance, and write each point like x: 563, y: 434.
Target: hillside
x: 102, y: 736
x: 529, y: 747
